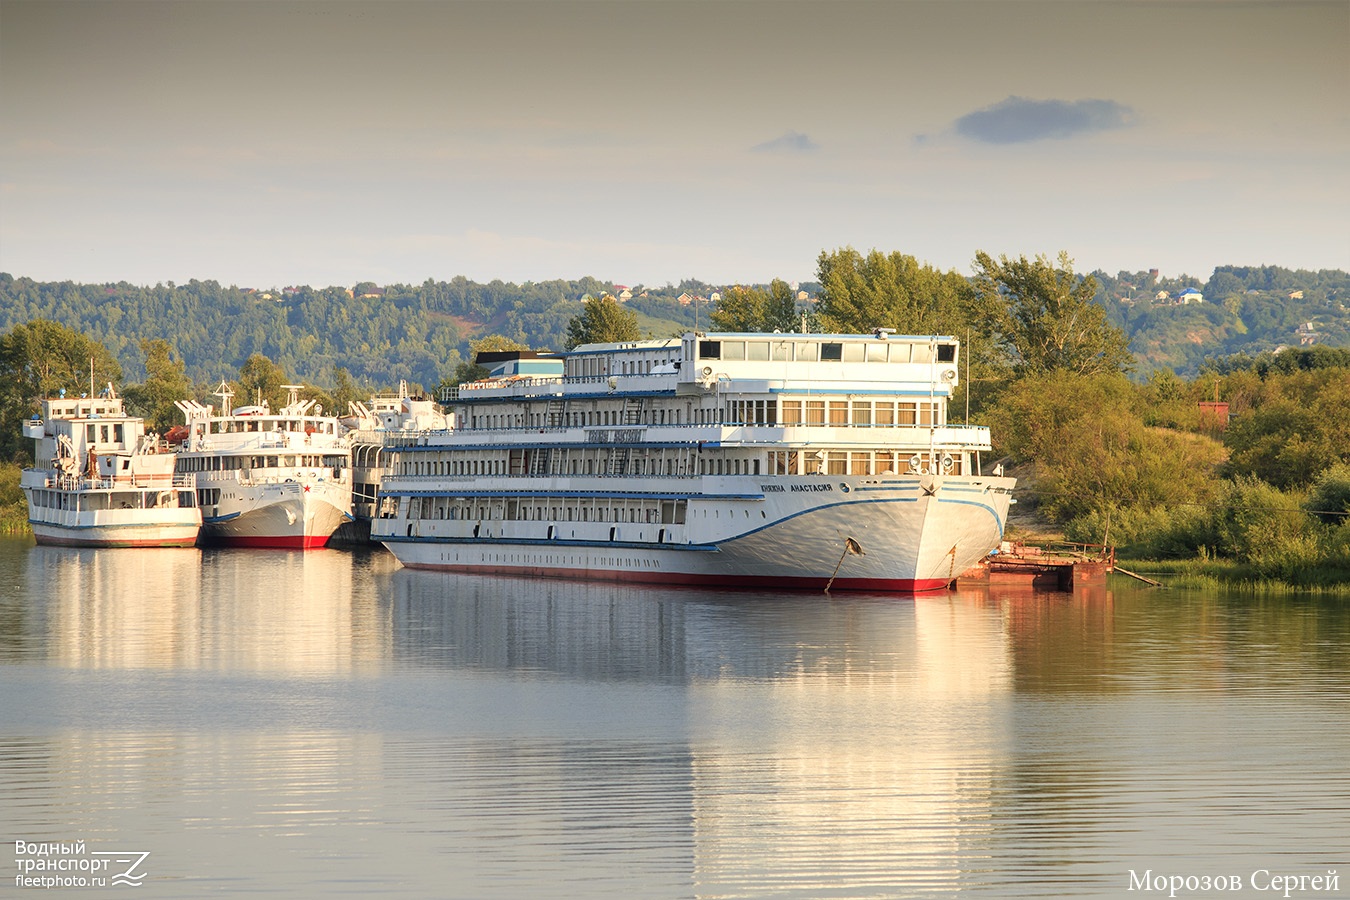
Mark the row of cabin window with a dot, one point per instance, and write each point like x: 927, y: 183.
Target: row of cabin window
x: 100, y: 500
x: 103, y: 434
x: 243, y: 425
x: 228, y: 463
x: 882, y: 413
x: 583, y: 461
x: 78, y: 409
x: 572, y: 419
x: 594, y: 461
x: 862, y: 462
x: 548, y: 509
x: 827, y: 351
x: 865, y: 413
x: 606, y: 365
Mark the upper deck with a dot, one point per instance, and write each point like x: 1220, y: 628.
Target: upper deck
x: 881, y: 362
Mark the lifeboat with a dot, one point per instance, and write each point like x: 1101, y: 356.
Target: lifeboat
x: 177, y: 434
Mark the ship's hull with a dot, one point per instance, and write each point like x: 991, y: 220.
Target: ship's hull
x: 112, y: 528
x: 289, y: 515
x: 903, y: 535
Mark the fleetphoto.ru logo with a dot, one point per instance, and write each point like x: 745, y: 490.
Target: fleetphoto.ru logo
x: 56, y: 864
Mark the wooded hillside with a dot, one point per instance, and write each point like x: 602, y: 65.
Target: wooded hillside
x: 421, y: 332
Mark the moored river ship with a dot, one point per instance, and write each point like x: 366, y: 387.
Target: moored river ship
x: 755, y: 460
x: 102, y: 481
x: 369, y: 426
x: 264, y: 478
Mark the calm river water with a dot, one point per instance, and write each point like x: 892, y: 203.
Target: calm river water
x: 327, y: 723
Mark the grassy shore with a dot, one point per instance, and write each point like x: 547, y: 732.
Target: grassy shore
x: 13, y: 507
x: 1209, y: 574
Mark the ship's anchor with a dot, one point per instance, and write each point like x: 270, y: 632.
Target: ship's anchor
x: 850, y: 546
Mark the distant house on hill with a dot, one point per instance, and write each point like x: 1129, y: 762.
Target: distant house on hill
x: 1295, y: 295
x: 1190, y: 295
x: 625, y: 295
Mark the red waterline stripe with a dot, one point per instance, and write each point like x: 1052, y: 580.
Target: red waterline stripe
x: 888, y: 585
x: 274, y: 541
x: 149, y: 542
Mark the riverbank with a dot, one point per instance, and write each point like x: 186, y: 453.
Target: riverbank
x: 1208, y: 574
x: 13, y: 506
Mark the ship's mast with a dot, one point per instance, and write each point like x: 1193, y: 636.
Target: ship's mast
x: 225, y: 395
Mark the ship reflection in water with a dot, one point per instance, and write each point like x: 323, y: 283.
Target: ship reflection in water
x: 305, y: 724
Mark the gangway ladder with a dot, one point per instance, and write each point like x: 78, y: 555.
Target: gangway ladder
x: 554, y: 414
x: 618, y: 460
x: 633, y: 408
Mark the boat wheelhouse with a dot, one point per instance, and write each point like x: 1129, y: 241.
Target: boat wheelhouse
x: 267, y: 479
x: 102, y: 481
x: 794, y: 460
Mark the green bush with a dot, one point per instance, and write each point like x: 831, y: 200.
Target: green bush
x: 1329, y: 499
x: 13, y: 505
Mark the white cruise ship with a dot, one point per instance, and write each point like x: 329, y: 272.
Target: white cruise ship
x: 101, y: 481
x: 266, y: 479
x: 793, y: 460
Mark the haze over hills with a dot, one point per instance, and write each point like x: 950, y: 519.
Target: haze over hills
x: 381, y: 334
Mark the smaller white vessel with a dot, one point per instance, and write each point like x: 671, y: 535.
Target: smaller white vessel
x: 266, y: 479
x: 101, y: 481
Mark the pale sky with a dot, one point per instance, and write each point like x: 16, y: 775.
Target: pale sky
x: 269, y: 144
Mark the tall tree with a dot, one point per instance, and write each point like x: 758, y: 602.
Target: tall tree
x: 890, y: 290
x: 1044, y: 319
x: 603, y: 321
x: 754, y: 310
x: 345, y: 390
x: 37, y: 360
x: 165, y: 382
x: 261, y: 379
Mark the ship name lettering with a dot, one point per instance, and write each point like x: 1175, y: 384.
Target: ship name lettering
x: 813, y: 487
x: 614, y: 435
